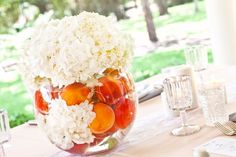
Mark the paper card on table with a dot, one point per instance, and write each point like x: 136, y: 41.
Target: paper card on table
x: 220, y: 145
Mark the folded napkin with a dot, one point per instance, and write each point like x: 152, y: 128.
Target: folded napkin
x: 148, y: 91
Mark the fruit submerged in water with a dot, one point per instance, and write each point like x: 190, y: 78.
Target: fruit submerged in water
x: 78, y: 148
x: 110, y: 91
x: 124, y: 113
x: 104, y: 119
x: 40, y: 103
x: 75, y: 93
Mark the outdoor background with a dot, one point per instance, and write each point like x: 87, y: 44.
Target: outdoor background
x: 161, y: 29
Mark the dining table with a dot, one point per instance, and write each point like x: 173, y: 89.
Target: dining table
x: 150, y: 135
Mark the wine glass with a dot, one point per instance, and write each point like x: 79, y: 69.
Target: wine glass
x: 197, y: 57
x: 178, y: 91
x: 4, y: 130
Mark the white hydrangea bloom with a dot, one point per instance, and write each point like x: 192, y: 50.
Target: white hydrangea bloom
x: 93, y: 82
x: 66, y: 125
x: 74, y: 49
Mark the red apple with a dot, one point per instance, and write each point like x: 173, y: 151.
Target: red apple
x: 110, y: 91
x: 126, y: 84
x: 40, y: 103
x: 54, y: 92
x: 125, y: 113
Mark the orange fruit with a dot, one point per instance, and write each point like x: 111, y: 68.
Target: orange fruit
x: 104, y: 119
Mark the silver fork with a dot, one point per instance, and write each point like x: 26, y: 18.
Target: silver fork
x: 232, y: 125
x: 224, y: 130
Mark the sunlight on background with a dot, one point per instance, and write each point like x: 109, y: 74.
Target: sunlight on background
x: 174, y: 30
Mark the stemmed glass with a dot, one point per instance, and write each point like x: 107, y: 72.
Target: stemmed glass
x: 4, y: 130
x: 178, y: 91
x: 197, y: 57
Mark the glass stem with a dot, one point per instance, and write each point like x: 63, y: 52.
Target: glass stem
x: 183, y: 117
x: 2, y: 152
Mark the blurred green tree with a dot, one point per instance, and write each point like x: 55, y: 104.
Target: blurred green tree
x: 60, y: 8
x: 11, y: 10
x: 41, y: 4
x: 104, y: 7
x: 163, y: 7
x: 178, y: 2
x: 9, y: 13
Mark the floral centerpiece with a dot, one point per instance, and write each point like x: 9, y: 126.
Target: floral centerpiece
x: 76, y: 69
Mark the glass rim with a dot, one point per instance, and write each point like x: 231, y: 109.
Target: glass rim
x: 194, y: 47
x: 177, y: 78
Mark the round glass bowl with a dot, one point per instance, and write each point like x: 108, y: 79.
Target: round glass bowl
x: 88, y: 118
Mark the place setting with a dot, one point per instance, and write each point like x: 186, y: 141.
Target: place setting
x: 211, y: 99
x: 117, y: 78
x: 185, y: 91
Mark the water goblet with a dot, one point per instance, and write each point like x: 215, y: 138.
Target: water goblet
x: 196, y: 56
x: 178, y: 91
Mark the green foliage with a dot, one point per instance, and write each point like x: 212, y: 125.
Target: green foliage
x: 15, y: 99
x: 152, y: 63
x: 20, y: 119
x: 13, y: 94
x: 104, y: 7
x: 178, y: 14
x: 178, y: 2
x: 60, y: 7
x: 9, y: 12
